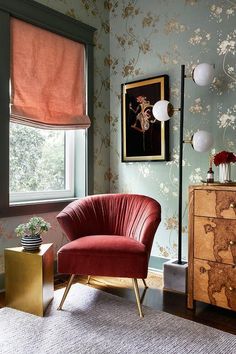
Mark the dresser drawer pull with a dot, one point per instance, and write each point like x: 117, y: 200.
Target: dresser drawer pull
x: 232, y: 205
x: 202, y: 270
x: 230, y: 288
x: 231, y: 242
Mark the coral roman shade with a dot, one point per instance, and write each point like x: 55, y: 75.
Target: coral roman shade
x: 48, y: 82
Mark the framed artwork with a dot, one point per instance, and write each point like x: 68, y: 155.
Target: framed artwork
x: 144, y: 138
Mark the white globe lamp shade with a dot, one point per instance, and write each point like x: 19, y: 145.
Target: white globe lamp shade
x: 203, y: 74
x: 162, y: 110
x: 202, y: 141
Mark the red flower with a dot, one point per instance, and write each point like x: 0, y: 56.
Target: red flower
x: 224, y: 157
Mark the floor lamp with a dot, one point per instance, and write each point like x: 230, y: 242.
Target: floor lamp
x: 202, y: 141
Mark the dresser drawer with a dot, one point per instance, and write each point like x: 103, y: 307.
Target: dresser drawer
x: 215, y: 203
x: 215, y: 239
x: 215, y: 283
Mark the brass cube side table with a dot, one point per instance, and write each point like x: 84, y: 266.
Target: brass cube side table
x: 29, y: 279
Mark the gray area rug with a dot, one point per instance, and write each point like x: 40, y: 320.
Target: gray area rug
x: 96, y: 322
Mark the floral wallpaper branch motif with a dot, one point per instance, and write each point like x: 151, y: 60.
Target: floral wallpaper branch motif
x: 227, y: 119
x: 218, y: 12
x: 191, y: 2
x: 174, y: 26
x: 200, y: 37
x: 228, y: 47
x: 131, y: 39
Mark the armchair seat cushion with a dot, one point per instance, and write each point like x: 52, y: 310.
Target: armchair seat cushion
x: 104, y: 255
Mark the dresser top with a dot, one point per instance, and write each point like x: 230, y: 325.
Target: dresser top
x: 215, y: 186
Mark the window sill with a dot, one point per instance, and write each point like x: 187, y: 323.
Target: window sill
x: 36, y: 207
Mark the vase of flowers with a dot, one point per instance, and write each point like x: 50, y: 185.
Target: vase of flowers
x: 31, y: 232
x: 223, y: 159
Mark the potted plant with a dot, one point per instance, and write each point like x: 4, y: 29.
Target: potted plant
x: 31, y: 232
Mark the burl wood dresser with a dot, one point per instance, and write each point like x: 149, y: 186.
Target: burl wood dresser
x: 212, y: 245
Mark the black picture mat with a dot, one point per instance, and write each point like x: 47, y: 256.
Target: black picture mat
x: 139, y: 144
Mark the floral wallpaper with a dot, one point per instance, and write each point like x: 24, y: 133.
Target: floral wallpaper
x: 137, y: 39
x: 150, y: 38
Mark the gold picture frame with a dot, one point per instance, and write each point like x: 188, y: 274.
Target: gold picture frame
x: 144, y: 138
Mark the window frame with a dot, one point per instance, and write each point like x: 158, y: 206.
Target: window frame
x: 47, y: 18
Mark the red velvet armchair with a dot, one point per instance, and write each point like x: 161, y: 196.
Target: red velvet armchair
x: 109, y: 235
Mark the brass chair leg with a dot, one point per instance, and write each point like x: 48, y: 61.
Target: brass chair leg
x: 135, y: 284
x: 144, y: 283
x: 142, y: 297
x: 89, y: 277
x: 66, y: 291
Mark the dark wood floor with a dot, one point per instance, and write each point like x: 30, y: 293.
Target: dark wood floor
x: 156, y: 298
x: 170, y: 302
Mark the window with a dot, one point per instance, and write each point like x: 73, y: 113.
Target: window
x: 59, y: 180
x: 41, y: 163
x: 48, y: 91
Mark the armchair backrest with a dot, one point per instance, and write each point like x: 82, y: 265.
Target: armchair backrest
x: 129, y: 215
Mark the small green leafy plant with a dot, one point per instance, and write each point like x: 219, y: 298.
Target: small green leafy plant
x: 34, y: 227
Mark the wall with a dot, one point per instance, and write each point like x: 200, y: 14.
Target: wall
x: 96, y: 15
x: 150, y: 38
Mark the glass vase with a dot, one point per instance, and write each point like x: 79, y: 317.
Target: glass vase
x: 224, y: 173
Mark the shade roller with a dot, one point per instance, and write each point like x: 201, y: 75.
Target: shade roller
x: 48, y: 82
